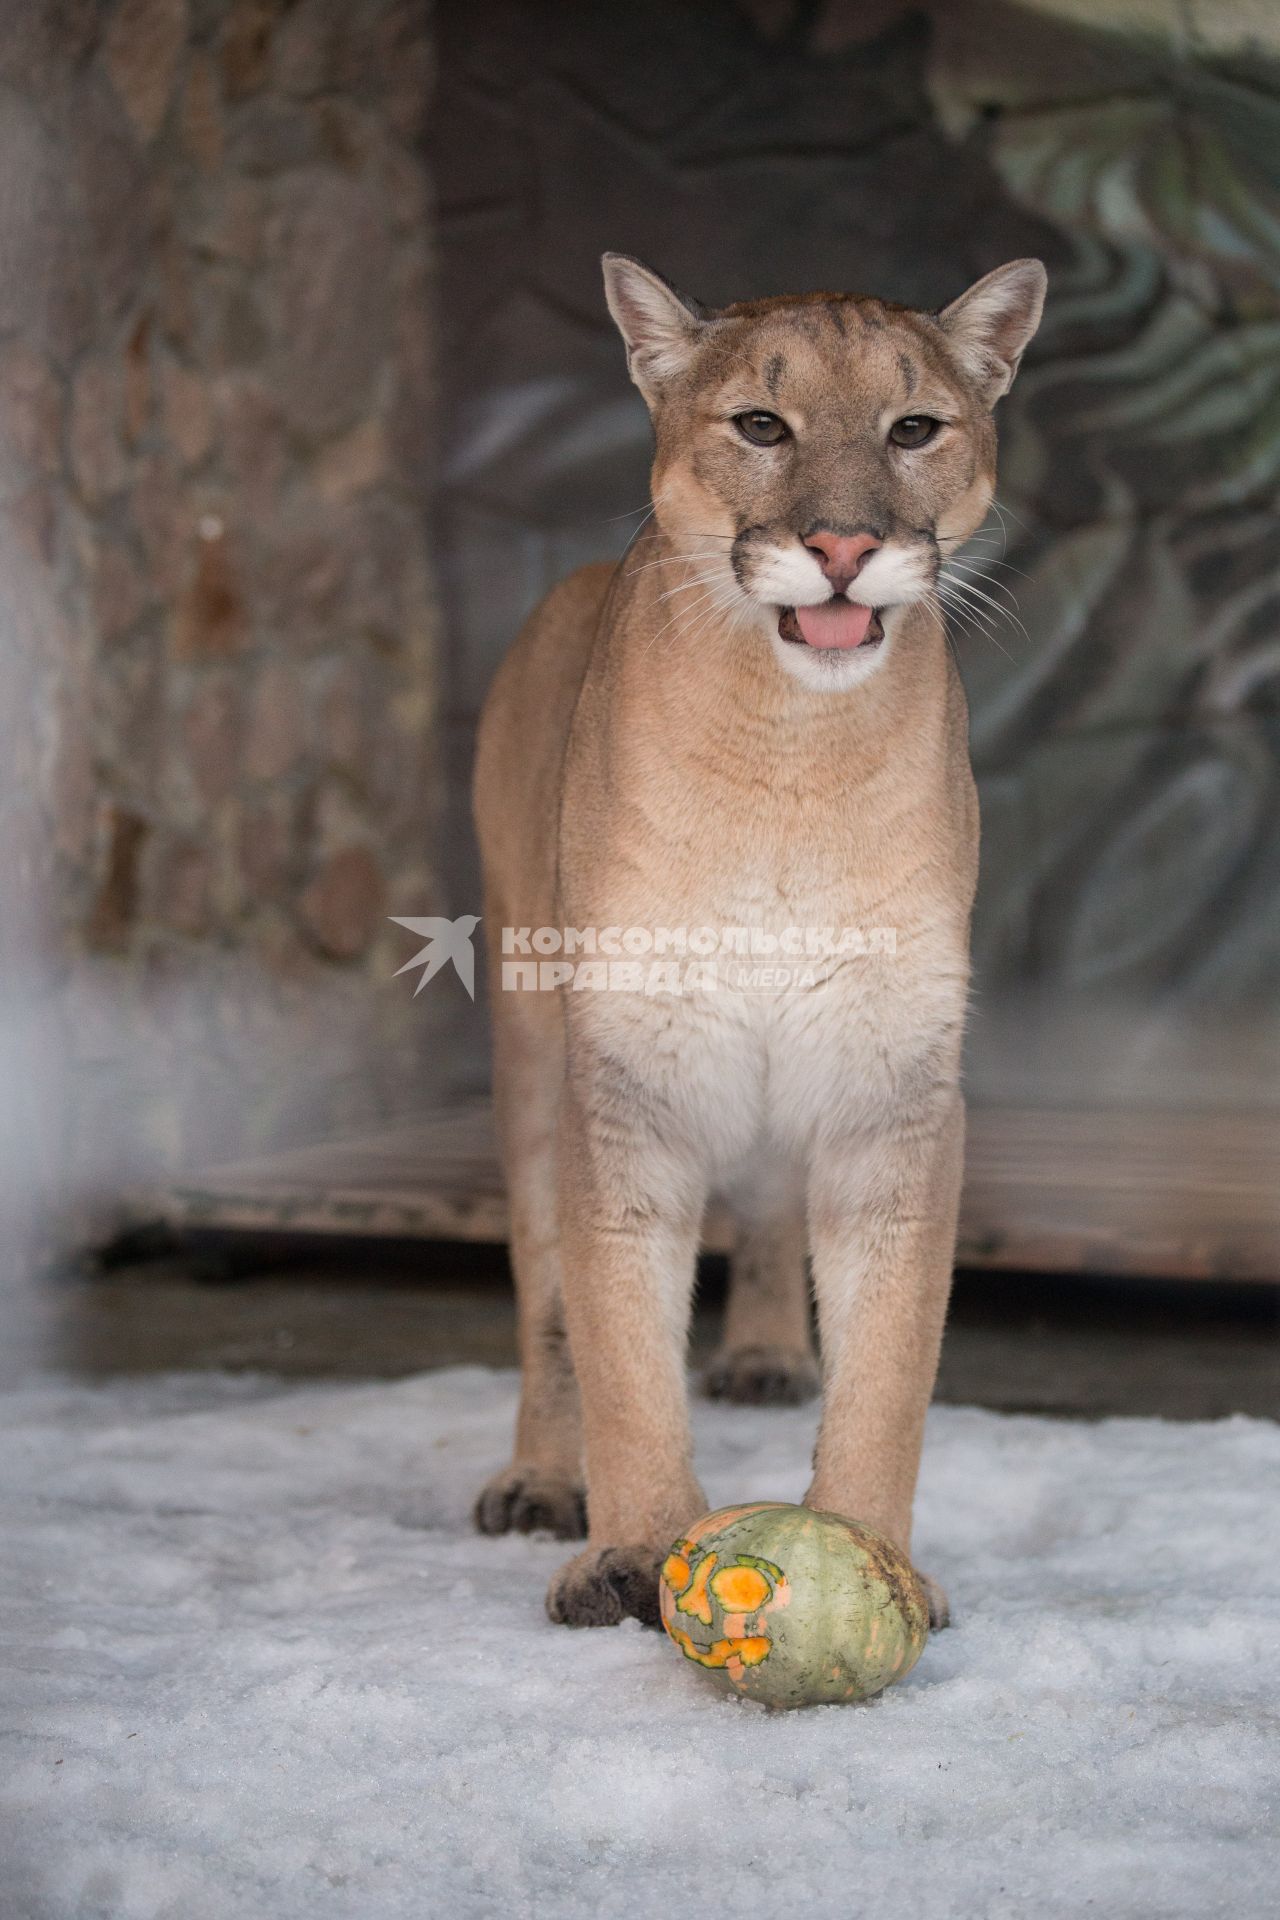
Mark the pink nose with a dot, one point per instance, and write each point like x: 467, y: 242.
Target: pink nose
x: 842, y: 557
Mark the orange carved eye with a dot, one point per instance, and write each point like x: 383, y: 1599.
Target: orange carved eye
x: 675, y: 1571
x: 695, y: 1601
x: 740, y: 1589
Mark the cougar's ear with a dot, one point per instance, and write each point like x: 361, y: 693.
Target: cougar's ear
x: 661, y: 328
x: 989, y: 326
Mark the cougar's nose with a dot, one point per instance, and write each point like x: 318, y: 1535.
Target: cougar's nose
x: 842, y: 556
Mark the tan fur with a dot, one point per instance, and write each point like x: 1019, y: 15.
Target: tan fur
x: 640, y: 769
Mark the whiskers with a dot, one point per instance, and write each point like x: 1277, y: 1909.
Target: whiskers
x: 699, y: 589
x: 967, y: 592
x: 718, y: 593
x: 708, y: 545
x: 971, y: 604
x: 703, y: 557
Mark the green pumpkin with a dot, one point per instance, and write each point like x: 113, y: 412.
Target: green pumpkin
x: 793, y: 1607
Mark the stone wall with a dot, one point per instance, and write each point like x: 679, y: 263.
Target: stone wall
x: 218, y: 628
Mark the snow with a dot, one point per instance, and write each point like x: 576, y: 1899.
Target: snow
x: 256, y: 1663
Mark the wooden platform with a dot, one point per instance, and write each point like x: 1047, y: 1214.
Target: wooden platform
x: 1181, y: 1195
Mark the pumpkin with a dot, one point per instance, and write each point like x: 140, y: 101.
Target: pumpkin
x: 793, y: 1607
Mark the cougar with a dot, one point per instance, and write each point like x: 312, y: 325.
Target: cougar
x: 752, y: 724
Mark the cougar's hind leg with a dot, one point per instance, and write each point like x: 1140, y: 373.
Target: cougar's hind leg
x: 766, y: 1353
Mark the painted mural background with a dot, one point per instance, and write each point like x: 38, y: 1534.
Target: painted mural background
x: 1126, y: 712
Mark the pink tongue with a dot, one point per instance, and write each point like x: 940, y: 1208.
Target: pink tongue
x: 836, y: 623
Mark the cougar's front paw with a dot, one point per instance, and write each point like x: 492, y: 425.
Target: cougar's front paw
x: 606, y: 1585
x: 523, y: 1500
x: 939, y: 1605
x: 762, y: 1377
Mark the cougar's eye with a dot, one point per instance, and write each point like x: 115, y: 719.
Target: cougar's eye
x: 913, y: 430
x: 761, y: 429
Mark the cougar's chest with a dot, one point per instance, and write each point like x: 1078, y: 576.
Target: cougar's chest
x: 826, y: 993
x: 824, y: 862
x: 779, y: 852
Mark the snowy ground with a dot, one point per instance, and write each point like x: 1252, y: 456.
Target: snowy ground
x: 256, y: 1664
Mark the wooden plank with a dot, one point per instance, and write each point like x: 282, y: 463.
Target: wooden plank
x: 1177, y: 1194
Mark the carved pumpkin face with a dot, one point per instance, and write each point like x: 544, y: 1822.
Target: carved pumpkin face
x: 715, y: 1603
x: 718, y: 1609
x: 792, y: 1607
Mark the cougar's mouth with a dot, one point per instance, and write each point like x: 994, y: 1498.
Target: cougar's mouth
x: 835, y: 623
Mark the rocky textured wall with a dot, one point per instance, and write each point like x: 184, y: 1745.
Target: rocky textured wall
x: 1124, y: 668
x: 218, y: 625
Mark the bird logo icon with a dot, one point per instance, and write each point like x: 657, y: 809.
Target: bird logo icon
x: 446, y: 940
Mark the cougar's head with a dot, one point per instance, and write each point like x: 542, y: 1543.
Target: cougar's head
x: 817, y: 457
